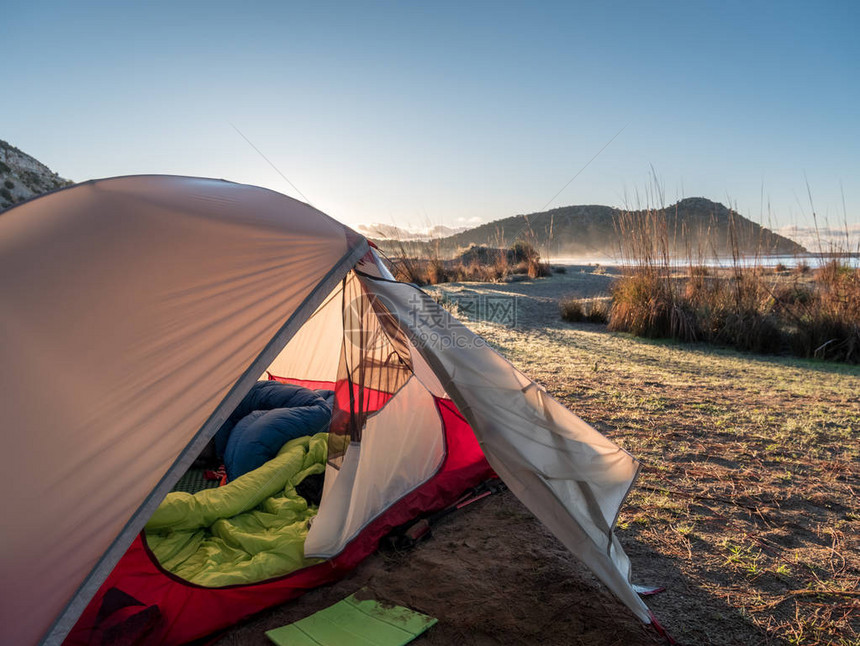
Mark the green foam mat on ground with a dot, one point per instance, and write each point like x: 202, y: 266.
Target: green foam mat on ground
x: 358, y: 620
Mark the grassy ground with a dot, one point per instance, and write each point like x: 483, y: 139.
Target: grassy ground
x: 746, y: 508
x: 747, y: 505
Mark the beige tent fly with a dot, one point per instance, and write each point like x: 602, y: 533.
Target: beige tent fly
x: 138, y: 311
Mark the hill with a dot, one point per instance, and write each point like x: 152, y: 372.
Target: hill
x: 23, y: 176
x: 694, y: 224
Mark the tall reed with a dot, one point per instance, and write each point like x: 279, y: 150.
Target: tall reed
x: 743, y: 305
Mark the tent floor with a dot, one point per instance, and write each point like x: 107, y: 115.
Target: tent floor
x: 194, y: 480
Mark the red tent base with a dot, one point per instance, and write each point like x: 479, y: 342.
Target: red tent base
x: 144, y: 604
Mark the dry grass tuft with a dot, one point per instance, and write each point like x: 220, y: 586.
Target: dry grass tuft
x: 589, y: 310
x: 475, y: 264
x: 748, y: 307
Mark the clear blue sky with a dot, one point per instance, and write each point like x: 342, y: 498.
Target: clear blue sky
x: 443, y: 113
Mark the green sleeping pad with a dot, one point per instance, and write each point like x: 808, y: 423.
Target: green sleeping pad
x: 358, y: 620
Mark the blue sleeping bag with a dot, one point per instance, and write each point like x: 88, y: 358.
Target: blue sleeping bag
x: 269, y: 416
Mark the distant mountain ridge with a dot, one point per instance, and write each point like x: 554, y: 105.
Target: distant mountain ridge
x: 393, y: 232
x: 23, y: 176
x: 694, y: 226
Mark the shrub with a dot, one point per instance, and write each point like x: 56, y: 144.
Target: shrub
x: 6, y: 194
x: 828, y: 323
x: 436, y: 272
x: 476, y: 263
x: 537, y: 269
x: 641, y: 305
x: 560, y: 269
x: 9, y: 183
x: 748, y: 330
x: 598, y: 310
x: 792, y: 295
x: 480, y: 254
x: 520, y: 268
x: 594, y: 310
x: 571, y: 310
x: 824, y: 337
x: 524, y: 251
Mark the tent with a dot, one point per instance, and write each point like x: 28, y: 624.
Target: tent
x: 138, y: 311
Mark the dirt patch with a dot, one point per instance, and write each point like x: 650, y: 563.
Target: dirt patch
x: 491, y: 574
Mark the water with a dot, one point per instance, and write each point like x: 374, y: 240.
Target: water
x: 812, y: 260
